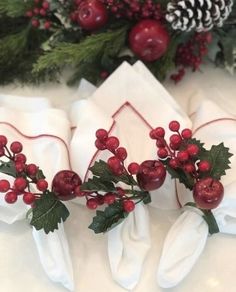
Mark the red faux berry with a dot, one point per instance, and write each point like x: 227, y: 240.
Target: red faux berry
x: 101, y: 134
x: 160, y: 143
x: 45, y: 5
x: 115, y: 165
x: 133, y: 168
x: 31, y: 169
x: 186, y: 133
x: 20, y: 184
x: 92, y: 204
x: 112, y: 143
x: 20, y: 158
x: 19, y: 166
x: 42, y: 185
x: 42, y: 12
x: 120, y: 192
x: 208, y: 193
x: 11, y: 197
x: 159, y: 132
x: 35, y: 22
x: 29, y: 198
x: 175, y: 140
x: 36, y: 11
x: 189, y: 167
x: 204, y: 166
x: 47, y: 24
x: 121, y: 153
x: 182, y: 156
x: 100, y: 145
x: 16, y: 147
x: 3, y: 140
x: 174, y: 163
x: 109, y: 198
x: 162, y: 153
x: 4, y: 185
x: 128, y: 206
x: 29, y: 13
x: 174, y: 126
x: 192, y: 149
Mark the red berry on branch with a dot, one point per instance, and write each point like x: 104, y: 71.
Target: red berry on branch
x: 31, y: 169
x: 112, y: 143
x: 64, y: 184
x: 182, y: 156
x: 11, y: 197
x: 208, y: 193
x: 159, y: 132
x: 19, y: 166
x: 92, y: 14
x: 36, y: 11
x: 120, y: 192
x: 133, y: 168
x: 160, y: 143
x: 162, y: 153
x: 101, y: 134
x: 109, y: 198
x: 42, y: 12
x: 45, y: 5
x: 35, y: 22
x: 174, y: 126
x: 176, y: 141
x: 128, y: 206
x: 100, y: 145
x: 4, y: 185
x: 42, y: 185
x: 121, y: 153
x: 204, y: 166
x: 151, y: 175
x: 20, y: 158
x: 115, y: 165
x: 16, y: 147
x: 92, y: 204
x: 20, y: 184
x: 192, y: 149
x: 189, y: 167
x: 29, y: 13
x: 174, y: 163
x: 186, y: 133
x: 47, y: 24
x: 3, y: 141
x: 149, y: 40
x: 29, y: 198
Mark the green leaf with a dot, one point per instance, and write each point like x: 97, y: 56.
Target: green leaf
x: 100, y: 168
x: 48, y: 212
x: 40, y: 175
x: 179, y: 174
x: 8, y: 168
x: 109, y: 218
x: 218, y: 156
x: 208, y: 217
x: 147, y: 198
x: 97, y: 184
x: 15, y: 8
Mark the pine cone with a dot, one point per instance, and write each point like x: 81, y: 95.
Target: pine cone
x: 198, y: 15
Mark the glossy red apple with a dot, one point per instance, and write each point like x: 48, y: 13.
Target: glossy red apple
x: 208, y: 193
x: 151, y: 175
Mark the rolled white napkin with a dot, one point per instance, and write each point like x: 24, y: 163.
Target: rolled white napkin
x: 44, y: 133
x: 187, y: 237
x: 128, y: 104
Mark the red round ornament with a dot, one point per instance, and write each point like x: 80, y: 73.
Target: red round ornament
x: 92, y: 15
x: 149, y: 40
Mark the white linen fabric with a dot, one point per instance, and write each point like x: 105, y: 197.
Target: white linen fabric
x: 45, y: 134
x: 128, y: 104
x: 188, y: 236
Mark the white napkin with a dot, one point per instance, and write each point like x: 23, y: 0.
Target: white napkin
x: 44, y: 133
x: 128, y: 104
x: 187, y: 237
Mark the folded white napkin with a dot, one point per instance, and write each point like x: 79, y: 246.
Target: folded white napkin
x: 128, y: 104
x: 44, y: 133
x: 187, y: 237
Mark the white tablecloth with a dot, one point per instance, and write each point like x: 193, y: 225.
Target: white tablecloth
x: 20, y: 269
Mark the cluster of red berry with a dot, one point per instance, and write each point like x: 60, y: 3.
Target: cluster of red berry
x: 191, y: 53
x: 39, y: 14
x: 26, y: 174
x: 134, y: 9
x: 183, y: 155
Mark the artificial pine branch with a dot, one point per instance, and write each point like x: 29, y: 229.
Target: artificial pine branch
x: 15, y: 8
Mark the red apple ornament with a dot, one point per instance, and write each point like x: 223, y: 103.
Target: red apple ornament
x: 151, y: 175
x: 149, y: 40
x: 208, y: 193
x: 92, y: 15
x: 64, y: 184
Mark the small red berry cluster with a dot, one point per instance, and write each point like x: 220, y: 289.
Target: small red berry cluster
x: 116, y: 165
x: 191, y: 54
x: 134, y: 9
x: 181, y: 154
x: 39, y: 14
x: 26, y: 174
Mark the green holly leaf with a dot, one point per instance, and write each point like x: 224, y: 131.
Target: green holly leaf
x: 97, y: 184
x: 101, y: 169
x: 147, y: 198
x: 218, y: 156
x: 48, y: 212
x: 8, y: 168
x: 109, y: 218
x: 40, y: 175
x: 179, y: 174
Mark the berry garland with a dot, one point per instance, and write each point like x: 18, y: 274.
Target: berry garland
x: 39, y: 38
x: 183, y: 157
